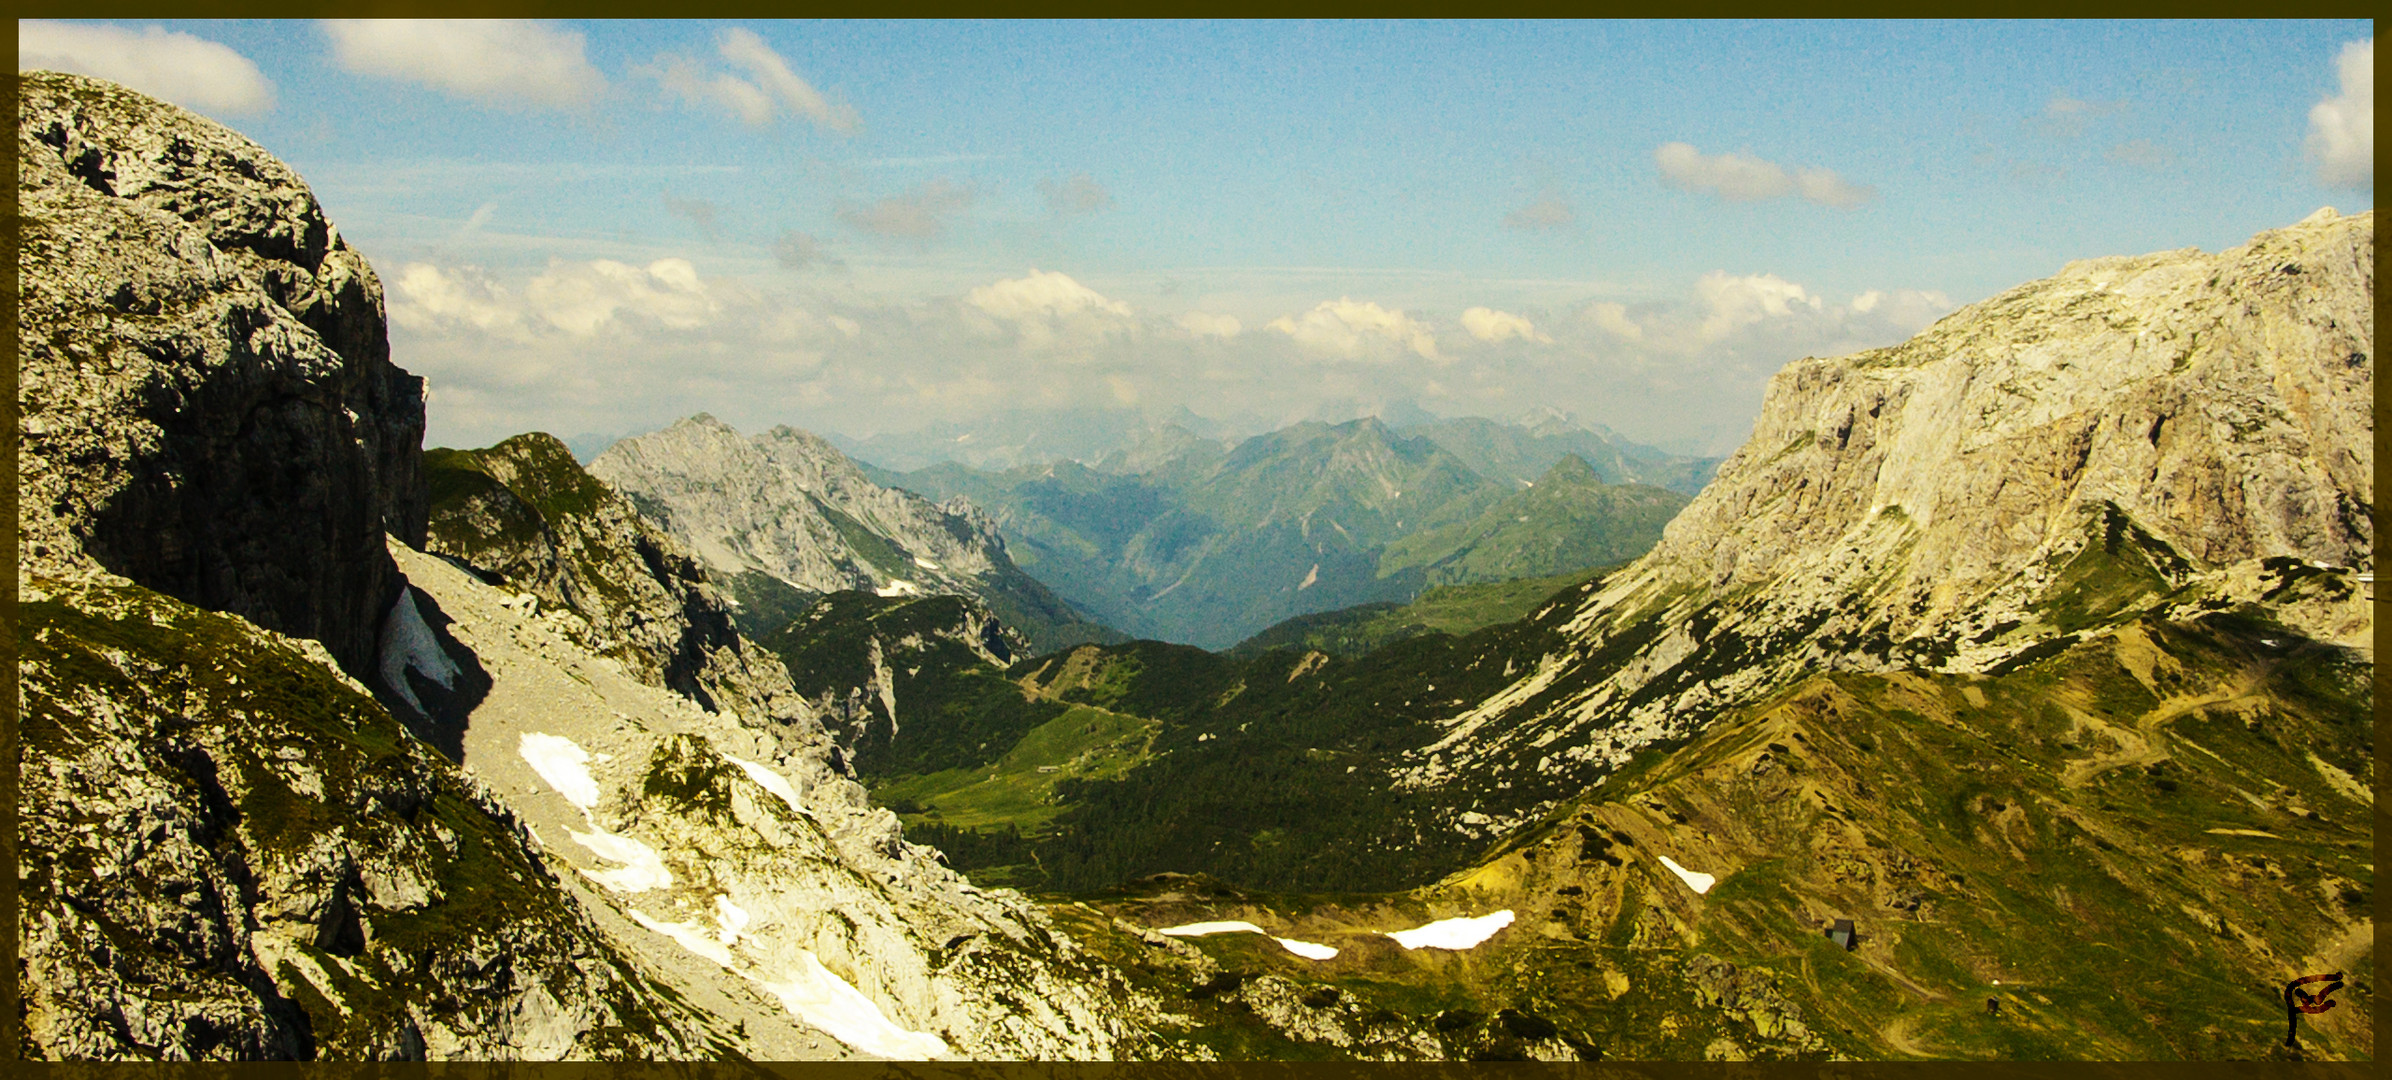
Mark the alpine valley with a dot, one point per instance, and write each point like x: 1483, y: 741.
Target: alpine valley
x: 2033, y: 654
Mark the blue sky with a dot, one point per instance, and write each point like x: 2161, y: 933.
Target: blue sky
x: 599, y: 227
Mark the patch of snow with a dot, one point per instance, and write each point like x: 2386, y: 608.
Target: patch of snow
x: 1200, y: 929
x: 818, y: 996
x: 564, y: 764
x: 731, y: 917
x: 408, y: 645
x: 1306, y: 949
x: 642, y: 868
x: 1311, y: 577
x: 1461, y: 933
x: 899, y: 587
x: 925, y: 563
x: 773, y: 782
x: 1699, y: 882
x: 691, y: 936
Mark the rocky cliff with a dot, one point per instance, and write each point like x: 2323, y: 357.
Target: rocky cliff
x: 209, y: 403
x: 232, y: 851
x: 608, y: 827
x: 2129, y: 433
x: 701, y: 783
x: 524, y: 515
x: 785, y: 512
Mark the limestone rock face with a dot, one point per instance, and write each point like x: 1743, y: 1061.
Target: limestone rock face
x: 524, y: 514
x: 232, y: 852
x: 2223, y: 402
x: 775, y: 503
x: 209, y: 406
x: 2129, y: 433
x: 788, y: 507
x: 770, y: 865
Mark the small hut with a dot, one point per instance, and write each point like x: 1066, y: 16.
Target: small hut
x: 1841, y: 933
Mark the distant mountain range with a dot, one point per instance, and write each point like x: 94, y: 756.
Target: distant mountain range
x: 1180, y: 537
x: 2039, y: 648
x: 784, y: 517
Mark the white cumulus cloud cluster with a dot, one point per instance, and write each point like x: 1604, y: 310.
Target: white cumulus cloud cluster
x: 1732, y: 302
x: 763, y: 89
x: 576, y: 299
x: 1048, y: 309
x: 2342, y: 127
x: 1490, y: 325
x: 1208, y: 324
x: 607, y: 345
x: 1347, y: 330
x: 189, y: 71
x: 494, y: 61
x: 1742, y: 177
x: 1042, y: 294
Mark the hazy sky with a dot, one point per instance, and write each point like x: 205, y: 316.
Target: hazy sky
x: 863, y: 227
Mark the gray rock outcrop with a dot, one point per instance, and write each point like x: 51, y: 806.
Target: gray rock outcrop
x: 788, y: 507
x: 524, y: 514
x: 209, y: 403
x: 232, y: 852
x: 2128, y: 433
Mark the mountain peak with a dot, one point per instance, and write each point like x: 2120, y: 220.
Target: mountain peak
x: 1570, y: 470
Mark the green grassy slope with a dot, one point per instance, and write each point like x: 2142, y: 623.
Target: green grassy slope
x: 1569, y: 519
x: 2127, y: 848
x: 1446, y: 609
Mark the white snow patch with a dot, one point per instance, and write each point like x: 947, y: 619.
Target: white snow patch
x: 564, y: 764
x: 731, y: 917
x: 1200, y: 929
x: 691, y: 936
x: 1306, y: 949
x: 773, y: 782
x: 643, y: 868
x: 1699, y: 882
x: 899, y: 587
x: 818, y: 996
x: 408, y: 645
x: 1452, y: 933
x: 925, y: 563
x: 1311, y: 578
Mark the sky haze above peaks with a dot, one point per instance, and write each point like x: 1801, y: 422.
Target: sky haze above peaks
x: 872, y: 227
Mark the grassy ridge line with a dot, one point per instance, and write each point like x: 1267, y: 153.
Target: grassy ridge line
x: 1445, y: 609
x: 2176, y: 789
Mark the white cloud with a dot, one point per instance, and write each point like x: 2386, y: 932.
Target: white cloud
x: 1208, y: 324
x: 1490, y: 325
x: 1049, y: 309
x: 769, y: 89
x: 1733, y: 302
x: 1613, y: 319
x: 2342, y: 127
x: 581, y: 298
x: 1741, y: 177
x: 189, y: 71
x: 576, y: 299
x: 494, y: 61
x: 1042, y: 294
x: 424, y: 296
x: 1343, y: 328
